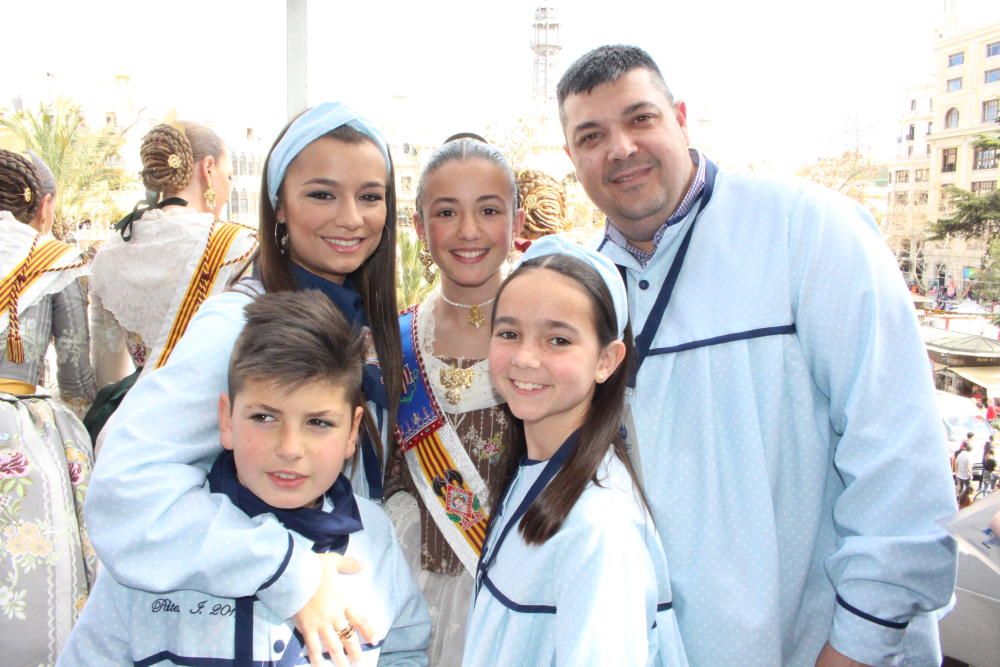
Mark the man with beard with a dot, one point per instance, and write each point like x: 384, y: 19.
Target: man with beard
x: 785, y: 421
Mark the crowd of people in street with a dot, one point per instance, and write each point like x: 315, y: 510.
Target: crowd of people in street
x: 273, y: 465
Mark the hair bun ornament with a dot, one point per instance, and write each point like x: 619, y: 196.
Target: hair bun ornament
x: 27, y: 195
x: 174, y: 161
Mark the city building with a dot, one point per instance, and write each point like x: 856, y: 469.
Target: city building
x: 939, y: 125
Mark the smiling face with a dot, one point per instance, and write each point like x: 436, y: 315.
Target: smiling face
x: 545, y: 356
x: 468, y: 220
x: 629, y: 145
x: 289, y: 445
x: 333, y: 199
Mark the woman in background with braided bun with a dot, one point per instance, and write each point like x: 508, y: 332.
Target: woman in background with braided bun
x: 145, y: 283
x: 544, y: 202
x: 46, y: 561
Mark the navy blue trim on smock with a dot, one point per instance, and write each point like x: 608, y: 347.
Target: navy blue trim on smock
x: 727, y: 338
x: 489, y: 555
x: 895, y: 625
x: 644, y: 340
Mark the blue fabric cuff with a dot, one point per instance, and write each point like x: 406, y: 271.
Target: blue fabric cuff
x: 292, y: 587
x: 864, y: 640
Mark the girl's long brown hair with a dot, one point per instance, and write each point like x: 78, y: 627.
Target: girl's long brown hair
x: 375, y: 280
x: 601, y: 426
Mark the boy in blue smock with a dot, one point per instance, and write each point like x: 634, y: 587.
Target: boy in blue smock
x: 288, y: 423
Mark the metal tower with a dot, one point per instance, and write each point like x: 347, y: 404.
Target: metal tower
x: 545, y: 45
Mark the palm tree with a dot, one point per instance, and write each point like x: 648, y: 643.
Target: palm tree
x: 412, y: 287
x: 83, y: 161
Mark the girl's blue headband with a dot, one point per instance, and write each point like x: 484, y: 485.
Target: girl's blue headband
x: 558, y: 244
x: 306, y: 129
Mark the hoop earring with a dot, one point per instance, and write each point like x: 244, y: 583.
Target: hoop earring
x: 425, y: 258
x: 282, y: 241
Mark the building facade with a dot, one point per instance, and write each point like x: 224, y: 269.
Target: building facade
x: 938, y: 127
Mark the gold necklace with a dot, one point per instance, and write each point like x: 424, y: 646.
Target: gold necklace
x: 455, y: 380
x: 476, y: 317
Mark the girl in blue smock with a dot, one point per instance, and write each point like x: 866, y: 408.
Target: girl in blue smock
x: 328, y: 223
x: 573, y: 572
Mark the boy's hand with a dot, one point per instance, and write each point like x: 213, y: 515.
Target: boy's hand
x: 327, y: 613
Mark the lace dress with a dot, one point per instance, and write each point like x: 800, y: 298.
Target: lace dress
x: 484, y: 429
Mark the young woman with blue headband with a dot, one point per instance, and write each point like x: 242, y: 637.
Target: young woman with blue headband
x: 328, y: 223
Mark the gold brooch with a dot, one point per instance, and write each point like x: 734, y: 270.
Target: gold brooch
x: 27, y: 195
x: 455, y: 380
x: 174, y: 161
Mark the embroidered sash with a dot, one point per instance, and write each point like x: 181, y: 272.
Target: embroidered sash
x: 212, y: 259
x: 445, y: 476
x: 41, y: 259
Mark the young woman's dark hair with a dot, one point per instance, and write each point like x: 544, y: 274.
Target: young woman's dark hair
x: 600, y: 428
x: 375, y: 279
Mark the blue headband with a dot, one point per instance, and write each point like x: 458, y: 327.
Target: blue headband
x: 306, y: 129
x: 559, y: 244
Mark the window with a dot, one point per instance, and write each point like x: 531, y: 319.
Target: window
x: 954, y: 84
x: 902, y: 198
x: 951, y: 119
x: 902, y: 176
x: 234, y: 202
x: 949, y: 159
x: 956, y: 59
x: 921, y: 175
x: 992, y: 75
x: 909, y: 133
x: 913, y: 105
x: 928, y: 149
x: 990, y: 109
x: 993, y: 49
x: 920, y: 197
x: 909, y: 151
x: 930, y: 126
x: 984, y: 158
x: 243, y: 164
x: 980, y: 188
x: 944, y: 203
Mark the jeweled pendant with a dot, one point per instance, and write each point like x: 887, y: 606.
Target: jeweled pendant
x: 476, y: 317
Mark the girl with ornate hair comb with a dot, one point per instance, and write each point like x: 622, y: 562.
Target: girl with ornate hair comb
x: 327, y: 222
x: 452, y: 428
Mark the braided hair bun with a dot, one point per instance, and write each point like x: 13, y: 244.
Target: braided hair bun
x: 167, y: 159
x: 544, y: 203
x: 20, y: 192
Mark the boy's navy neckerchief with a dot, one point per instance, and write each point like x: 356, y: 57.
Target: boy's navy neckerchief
x: 644, y: 340
x: 552, y: 467
x: 347, y: 299
x: 329, y: 531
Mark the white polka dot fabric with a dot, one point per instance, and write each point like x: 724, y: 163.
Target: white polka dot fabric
x: 784, y: 469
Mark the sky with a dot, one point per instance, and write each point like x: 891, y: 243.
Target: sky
x: 781, y: 82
